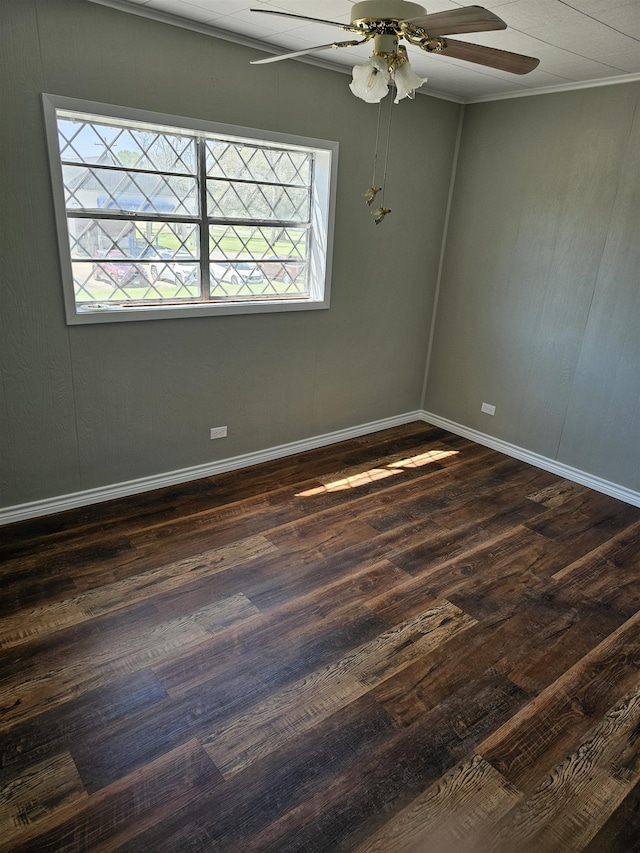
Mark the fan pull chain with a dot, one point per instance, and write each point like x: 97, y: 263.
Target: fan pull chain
x: 370, y: 194
x: 380, y: 212
x: 386, y: 153
x: 375, y: 155
x: 373, y: 190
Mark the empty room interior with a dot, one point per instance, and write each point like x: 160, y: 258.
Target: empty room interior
x: 320, y: 424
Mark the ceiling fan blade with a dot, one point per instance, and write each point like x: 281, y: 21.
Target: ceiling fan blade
x: 503, y: 60
x: 469, y: 19
x: 295, y: 53
x: 300, y: 17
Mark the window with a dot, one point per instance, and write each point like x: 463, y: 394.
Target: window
x: 163, y: 217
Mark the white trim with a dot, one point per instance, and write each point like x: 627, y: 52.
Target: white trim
x: 323, y: 195
x: 561, y: 87
x: 35, y: 509
x: 574, y: 474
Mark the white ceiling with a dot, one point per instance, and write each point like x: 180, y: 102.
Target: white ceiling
x: 578, y: 42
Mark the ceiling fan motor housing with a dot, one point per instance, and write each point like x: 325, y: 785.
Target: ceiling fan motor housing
x: 395, y: 10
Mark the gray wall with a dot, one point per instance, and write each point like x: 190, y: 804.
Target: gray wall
x: 86, y: 406
x: 539, y: 307
x: 539, y: 302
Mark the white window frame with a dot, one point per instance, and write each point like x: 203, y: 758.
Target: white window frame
x: 322, y: 216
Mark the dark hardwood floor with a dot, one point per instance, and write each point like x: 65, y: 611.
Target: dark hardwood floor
x: 403, y: 643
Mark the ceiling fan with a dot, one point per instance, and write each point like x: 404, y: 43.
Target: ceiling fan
x: 389, y: 21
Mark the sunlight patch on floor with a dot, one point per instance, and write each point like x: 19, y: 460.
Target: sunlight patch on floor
x: 346, y: 480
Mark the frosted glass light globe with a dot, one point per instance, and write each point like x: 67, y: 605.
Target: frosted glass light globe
x: 370, y: 80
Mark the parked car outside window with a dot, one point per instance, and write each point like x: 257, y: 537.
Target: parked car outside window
x: 124, y: 273
x: 236, y: 272
x: 180, y: 268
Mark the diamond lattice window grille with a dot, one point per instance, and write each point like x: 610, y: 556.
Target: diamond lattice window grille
x: 235, y: 161
x: 87, y: 288
x: 136, y: 233
x: 96, y: 238
x: 286, y: 278
x: 122, y: 283
x: 258, y: 242
x: 280, y: 253
x: 100, y: 189
x: 110, y: 145
x: 233, y: 200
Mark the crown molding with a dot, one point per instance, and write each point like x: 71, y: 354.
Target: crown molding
x: 213, y: 31
x: 561, y: 87
x: 245, y: 41
x: 266, y: 47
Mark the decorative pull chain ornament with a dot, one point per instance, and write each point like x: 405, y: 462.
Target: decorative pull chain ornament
x: 380, y: 214
x: 371, y: 193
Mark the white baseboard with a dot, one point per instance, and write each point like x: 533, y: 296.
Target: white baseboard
x: 574, y: 474
x: 35, y: 509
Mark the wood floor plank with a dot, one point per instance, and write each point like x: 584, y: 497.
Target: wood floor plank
x: 428, y: 454
x: 323, y: 612
x: 447, y: 495
x: 555, y: 495
x: 621, y: 832
x: 356, y: 803
x: 68, y: 554
x: 128, y: 807
x: 55, y: 730
x: 609, y: 575
x: 509, y: 555
x: 452, y: 815
x: 91, y: 667
x: 279, y: 579
x: 303, y: 704
x: 549, y: 727
x: 21, y: 590
x: 42, y: 790
x: 44, y: 654
x: 180, y: 539
x: 81, y: 608
x: 527, y: 640
x: 315, y: 534
x: 108, y: 756
x: 273, y: 786
x: 327, y: 595
x: 447, y: 545
x: 557, y: 646
x: 568, y: 807
x: 588, y: 518
x: 621, y: 550
x: 404, y: 642
x: 234, y: 684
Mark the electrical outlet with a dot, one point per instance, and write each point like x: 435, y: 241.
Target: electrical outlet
x: 218, y: 432
x: 488, y: 409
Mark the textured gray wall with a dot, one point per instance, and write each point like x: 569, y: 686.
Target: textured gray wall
x: 86, y: 406
x: 539, y: 308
